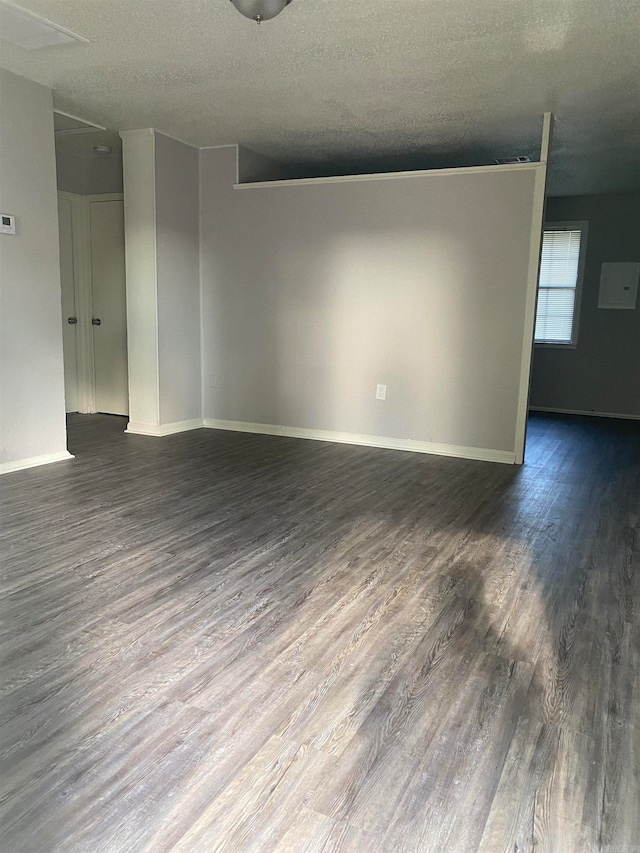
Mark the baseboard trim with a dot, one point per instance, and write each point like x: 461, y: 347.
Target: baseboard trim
x: 406, y: 444
x: 34, y: 461
x: 580, y: 412
x: 164, y: 429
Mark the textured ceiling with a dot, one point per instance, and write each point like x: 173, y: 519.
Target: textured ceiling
x: 388, y: 82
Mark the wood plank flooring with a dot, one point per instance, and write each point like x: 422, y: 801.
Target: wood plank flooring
x: 225, y: 642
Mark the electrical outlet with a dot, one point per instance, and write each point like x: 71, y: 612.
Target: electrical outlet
x: 381, y: 392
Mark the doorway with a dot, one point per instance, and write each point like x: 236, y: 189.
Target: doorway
x: 92, y: 266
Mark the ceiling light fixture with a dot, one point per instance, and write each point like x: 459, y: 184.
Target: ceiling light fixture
x: 260, y: 10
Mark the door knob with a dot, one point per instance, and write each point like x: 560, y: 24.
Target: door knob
x: 72, y: 320
x: 96, y: 321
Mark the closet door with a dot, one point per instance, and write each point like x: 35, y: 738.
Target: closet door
x: 108, y: 284
x: 69, y: 314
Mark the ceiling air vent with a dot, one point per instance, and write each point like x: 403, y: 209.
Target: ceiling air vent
x: 30, y: 31
x: 507, y: 161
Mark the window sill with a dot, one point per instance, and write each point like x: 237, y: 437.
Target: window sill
x: 545, y: 345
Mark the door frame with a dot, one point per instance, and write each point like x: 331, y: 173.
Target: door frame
x: 83, y: 289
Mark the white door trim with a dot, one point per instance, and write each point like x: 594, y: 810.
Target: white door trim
x: 104, y: 197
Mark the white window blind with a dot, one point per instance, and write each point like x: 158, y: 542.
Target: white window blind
x: 557, y: 286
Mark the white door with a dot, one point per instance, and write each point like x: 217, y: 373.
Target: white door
x: 69, y: 315
x: 106, y: 222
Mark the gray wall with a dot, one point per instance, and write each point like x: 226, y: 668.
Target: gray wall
x: 31, y: 371
x: 178, y: 270
x: 602, y: 374
x: 313, y: 294
x: 91, y: 175
x: 256, y: 167
x: 69, y: 172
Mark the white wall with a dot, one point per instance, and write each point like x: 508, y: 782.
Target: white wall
x: 163, y: 282
x: 138, y: 148
x: 314, y: 293
x: 32, y: 415
x: 178, y: 244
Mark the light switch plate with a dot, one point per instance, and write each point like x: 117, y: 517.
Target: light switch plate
x: 7, y: 223
x: 619, y: 285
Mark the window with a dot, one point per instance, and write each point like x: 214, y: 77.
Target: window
x: 560, y: 283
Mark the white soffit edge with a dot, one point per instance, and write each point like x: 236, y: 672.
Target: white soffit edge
x: 30, y: 31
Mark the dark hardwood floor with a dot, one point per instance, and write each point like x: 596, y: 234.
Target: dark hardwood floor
x: 225, y: 642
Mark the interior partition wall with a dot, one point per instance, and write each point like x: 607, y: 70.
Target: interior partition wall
x: 393, y: 310
x: 316, y: 292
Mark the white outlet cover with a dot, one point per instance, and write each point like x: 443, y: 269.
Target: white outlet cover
x: 381, y: 392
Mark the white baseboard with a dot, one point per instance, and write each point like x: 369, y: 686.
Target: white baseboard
x: 34, y: 461
x: 479, y: 453
x: 580, y: 412
x: 164, y: 429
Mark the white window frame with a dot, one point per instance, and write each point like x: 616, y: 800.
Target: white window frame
x: 583, y: 227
